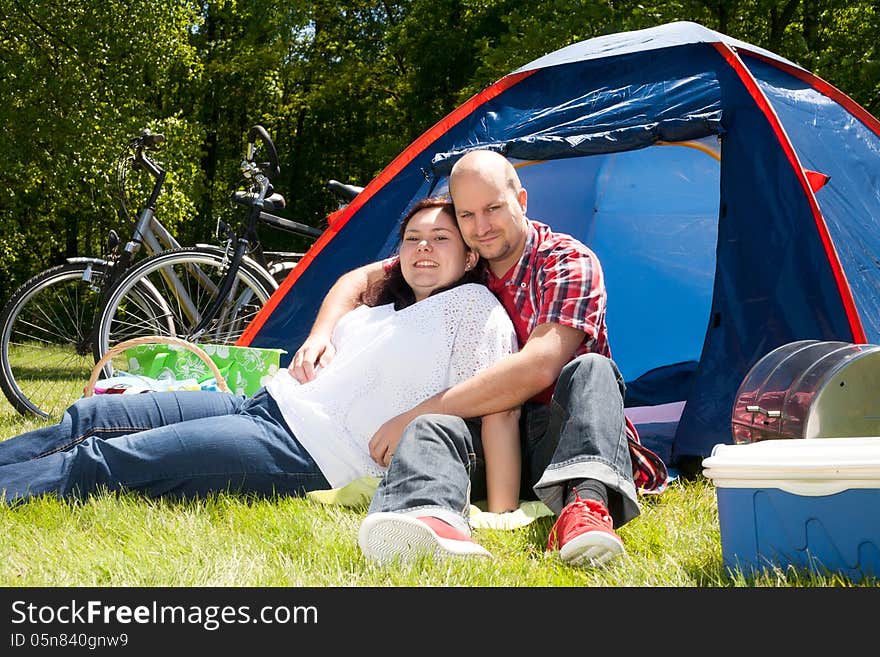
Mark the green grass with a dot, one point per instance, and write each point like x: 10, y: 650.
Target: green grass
x: 126, y: 540
x: 51, y: 376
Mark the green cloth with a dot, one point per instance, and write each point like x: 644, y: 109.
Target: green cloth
x: 357, y: 493
x: 527, y: 513
x: 245, y: 369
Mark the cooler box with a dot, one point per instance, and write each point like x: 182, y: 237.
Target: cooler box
x: 810, y: 503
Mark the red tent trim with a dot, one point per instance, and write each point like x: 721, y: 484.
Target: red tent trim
x: 843, y: 287
x: 386, y: 175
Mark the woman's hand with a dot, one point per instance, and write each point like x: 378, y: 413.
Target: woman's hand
x: 384, y: 441
x: 316, y: 350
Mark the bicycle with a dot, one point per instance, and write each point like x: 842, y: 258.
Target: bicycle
x: 187, y: 292
x: 48, y: 326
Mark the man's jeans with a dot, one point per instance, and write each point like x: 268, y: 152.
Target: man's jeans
x: 174, y: 444
x: 580, y: 435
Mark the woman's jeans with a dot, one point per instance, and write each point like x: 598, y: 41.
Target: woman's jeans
x: 174, y: 444
x: 579, y: 435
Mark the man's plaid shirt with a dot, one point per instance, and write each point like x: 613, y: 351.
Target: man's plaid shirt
x: 559, y: 280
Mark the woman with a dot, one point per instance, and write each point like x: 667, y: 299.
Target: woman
x: 288, y: 438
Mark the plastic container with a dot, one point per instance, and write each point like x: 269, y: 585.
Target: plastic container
x: 811, y: 504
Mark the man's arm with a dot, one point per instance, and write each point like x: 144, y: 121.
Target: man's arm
x: 508, y: 383
x: 343, y: 296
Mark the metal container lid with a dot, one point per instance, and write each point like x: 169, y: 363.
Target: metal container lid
x: 810, y: 389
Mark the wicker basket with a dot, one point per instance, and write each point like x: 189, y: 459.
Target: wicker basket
x: 116, y: 349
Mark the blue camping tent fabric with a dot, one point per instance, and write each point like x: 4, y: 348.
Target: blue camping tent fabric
x: 679, y: 155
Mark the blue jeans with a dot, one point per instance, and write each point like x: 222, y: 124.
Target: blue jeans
x: 438, y: 465
x: 173, y: 444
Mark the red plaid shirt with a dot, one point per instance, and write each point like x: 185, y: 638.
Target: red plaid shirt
x: 559, y: 280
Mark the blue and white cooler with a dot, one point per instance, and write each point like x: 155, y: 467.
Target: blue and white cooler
x: 809, y: 503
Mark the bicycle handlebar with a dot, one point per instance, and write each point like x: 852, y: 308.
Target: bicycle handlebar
x: 151, y: 141
x: 272, y: 201
x: 147, y: 140
x: 273, y: 169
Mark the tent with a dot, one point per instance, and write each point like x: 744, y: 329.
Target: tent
x: 732, y: 197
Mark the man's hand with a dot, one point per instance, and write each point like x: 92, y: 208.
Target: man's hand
x: 345, y: 295
x: 384, y: 441
x: 316, y: 350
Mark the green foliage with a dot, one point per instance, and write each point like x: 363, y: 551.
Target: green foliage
x: 82, y: 79
x: 342, y: 87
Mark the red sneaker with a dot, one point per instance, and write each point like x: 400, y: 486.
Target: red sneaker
x: 385, y: 537
x: 584, y: 534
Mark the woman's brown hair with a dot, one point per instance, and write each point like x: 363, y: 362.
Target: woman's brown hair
x: 394, y: 288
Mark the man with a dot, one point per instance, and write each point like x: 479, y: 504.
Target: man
x: 576, y: 450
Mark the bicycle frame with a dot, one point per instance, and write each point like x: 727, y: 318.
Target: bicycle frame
x: 148, y: 230
x: 152, y: 233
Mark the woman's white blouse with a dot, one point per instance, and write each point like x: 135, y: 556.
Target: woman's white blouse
x: 387, y: 362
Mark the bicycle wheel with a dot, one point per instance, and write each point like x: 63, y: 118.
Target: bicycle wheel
x: 45, y: 338
x: 182, y: 284
x: 281, y: 270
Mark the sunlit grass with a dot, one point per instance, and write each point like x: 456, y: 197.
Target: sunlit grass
x: 224, y: 540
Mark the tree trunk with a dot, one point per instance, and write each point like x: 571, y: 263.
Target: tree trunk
x: 779, y: 20
x: 810, y: 21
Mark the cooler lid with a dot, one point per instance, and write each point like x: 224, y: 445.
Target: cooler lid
x: 818, y: 466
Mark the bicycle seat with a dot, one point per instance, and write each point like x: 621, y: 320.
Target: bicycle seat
x: 343, y: 191
x: 274, y: 202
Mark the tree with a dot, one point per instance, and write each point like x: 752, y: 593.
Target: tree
x: 80, y: 79
x: 342, y: 87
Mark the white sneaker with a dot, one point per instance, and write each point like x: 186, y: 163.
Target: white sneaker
x: 384, y: 537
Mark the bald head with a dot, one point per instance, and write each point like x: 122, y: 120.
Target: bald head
x: 488, y: 166
x: 490, y: 206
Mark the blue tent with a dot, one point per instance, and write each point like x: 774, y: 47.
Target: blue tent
x: 732, y: 197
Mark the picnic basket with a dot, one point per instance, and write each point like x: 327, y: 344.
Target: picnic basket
x: 120, y: 347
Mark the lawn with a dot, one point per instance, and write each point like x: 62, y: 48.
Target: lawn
x: 124, y: 540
